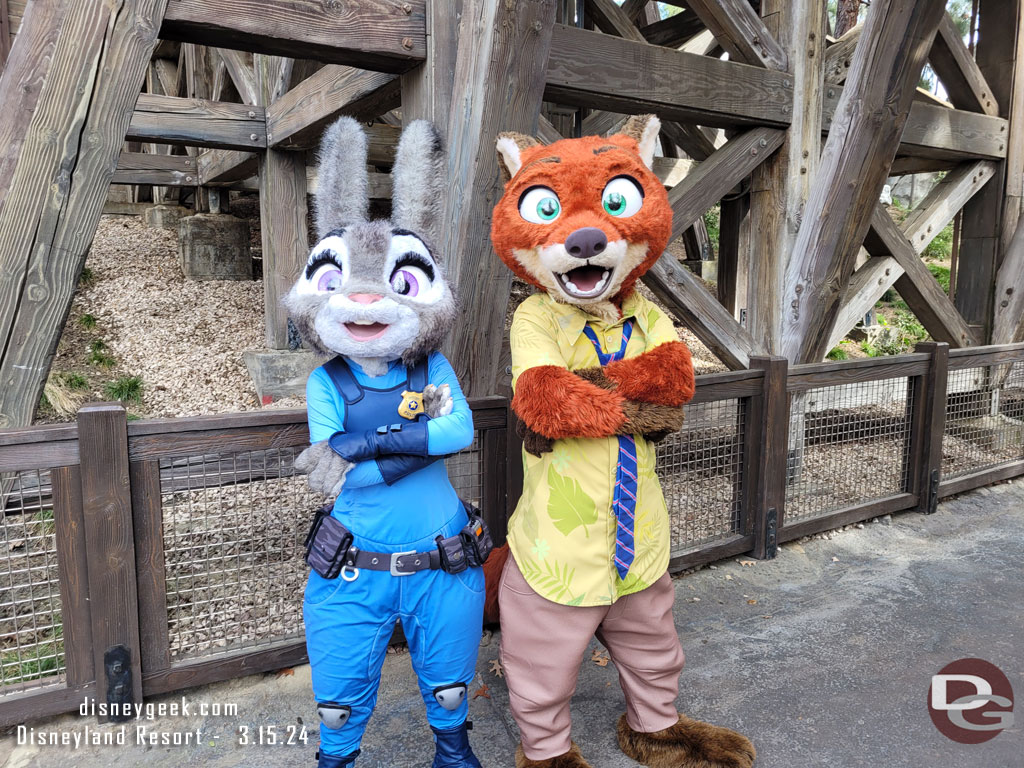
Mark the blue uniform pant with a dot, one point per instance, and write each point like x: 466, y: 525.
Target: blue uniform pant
x: 349, y: 623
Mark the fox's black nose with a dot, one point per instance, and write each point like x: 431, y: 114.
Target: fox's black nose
x: 585, y: 243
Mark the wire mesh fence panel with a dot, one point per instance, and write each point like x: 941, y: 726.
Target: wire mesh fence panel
x: 700, y: 469
x: 466, y: 471
x: 847, y: 445
x: 233, y: 527
x: 31, y: 633
x: 984, y: 418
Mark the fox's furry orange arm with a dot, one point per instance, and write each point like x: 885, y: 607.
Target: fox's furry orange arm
x: 557, y: 403
x: 663, y: 375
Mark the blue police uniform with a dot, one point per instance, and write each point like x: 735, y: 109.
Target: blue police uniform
x: 349, y: 622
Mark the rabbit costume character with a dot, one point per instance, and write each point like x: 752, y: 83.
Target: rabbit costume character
x: 383, y: 412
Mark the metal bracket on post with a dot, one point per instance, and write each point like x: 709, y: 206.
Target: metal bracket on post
x: 933, y: 493
x: 771, y: 539
x: 118, y: 669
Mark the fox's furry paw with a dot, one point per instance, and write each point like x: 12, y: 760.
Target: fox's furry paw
x: 326, y: 470
x: 596, y: 376
x: 438, y: 401
x: 571, y: 759
x: 534, y: 442
x: 650, y: 420
x: 687, y: 744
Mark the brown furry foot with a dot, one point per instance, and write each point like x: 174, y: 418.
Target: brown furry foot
x: 687, y: 744
x: 571, y: 759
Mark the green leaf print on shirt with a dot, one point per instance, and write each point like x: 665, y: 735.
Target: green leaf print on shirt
x: 568, y: 506
x: 551, y: 578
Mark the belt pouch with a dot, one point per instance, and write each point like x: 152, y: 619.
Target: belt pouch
x: 327, y: 545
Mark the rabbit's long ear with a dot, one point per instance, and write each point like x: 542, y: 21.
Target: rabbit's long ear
x: 417, y: 180
x: 342, y: 195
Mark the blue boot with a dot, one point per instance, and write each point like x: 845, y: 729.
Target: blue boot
x: 453, y: 748
x: 336, y: 761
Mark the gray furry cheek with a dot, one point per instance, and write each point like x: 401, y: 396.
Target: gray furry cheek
x: 303, y: 311
x: 434, y: 326
x: 403, y: 328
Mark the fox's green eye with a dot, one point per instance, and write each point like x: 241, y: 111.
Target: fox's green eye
x: 540, y: 205
x: 622, y: 197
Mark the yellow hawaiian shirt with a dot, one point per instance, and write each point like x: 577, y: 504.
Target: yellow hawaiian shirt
x: 562, y: 533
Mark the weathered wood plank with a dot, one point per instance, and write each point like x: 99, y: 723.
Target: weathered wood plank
x: 240, y: 68
x: 109, y: 541
x: 6, y: 33
x: 697, y: 142
x: 917, y: 285
x: 673, y: 31
x: 69, y: 530
x: 869, y: 118
x: 712, y: 179
x: 426, y: 91
x: 298, y: 118
x: 959, y: 72
x: 779, y: 188
x: 147, y: 522
x: 687, y: 298
x: 839, y: 56
x: 160, y: 169
x: 385, y: 35
x: 867, y: 285
x: 52, y: 191
x: 225, y: 166
x: 944, y: 201
x: 499, y: 77
x: 738, y: 28
x: 1008, y: 323
x: 589, y: 69
x: 283, y: 226
x: 611, y: 19
x: 197, y: 122
x: 734, y: 253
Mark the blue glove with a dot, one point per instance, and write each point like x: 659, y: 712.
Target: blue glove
x: 396, y: 466
x: 409, y: 438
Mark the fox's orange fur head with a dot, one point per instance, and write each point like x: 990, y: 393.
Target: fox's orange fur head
x: 582, y: 219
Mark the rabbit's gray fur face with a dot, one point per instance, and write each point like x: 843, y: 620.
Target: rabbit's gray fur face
x: 373, y: 291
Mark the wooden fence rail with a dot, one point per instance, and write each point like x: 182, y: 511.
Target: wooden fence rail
x: 141, y: 532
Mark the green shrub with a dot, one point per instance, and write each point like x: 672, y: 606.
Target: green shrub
x: 87, y: 321
x: 837, y: 353
x: 713, y: 223
x: 941, y: 248
x: 86, y: 277
x: 98, y: 355
x: 75, y: 381
x: 941, y: 274
x: 127, y: 389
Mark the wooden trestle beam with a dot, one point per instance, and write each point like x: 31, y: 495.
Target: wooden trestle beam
x: 870, y: 116
x: 51, y: 194
x: 385, y: 36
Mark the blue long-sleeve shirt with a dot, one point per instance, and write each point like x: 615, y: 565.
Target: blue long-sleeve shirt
x: 423, y: 503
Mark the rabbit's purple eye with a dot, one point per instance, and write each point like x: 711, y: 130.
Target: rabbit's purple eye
x: 329, y: 281
x: 405, y: 282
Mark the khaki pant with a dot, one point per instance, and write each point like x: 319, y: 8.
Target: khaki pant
x: 542, y: 645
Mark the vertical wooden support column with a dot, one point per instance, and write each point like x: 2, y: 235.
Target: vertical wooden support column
x: 427, y: 90
x: 499, y: 83
x: 780, y: 186
x: 69, y: 532
x: 766, y: 450
x: 147, y: 520
x: 284, y: 232
x: 992, y: 217
x: 5, y: 34
x: 927, y: 414
x: 109, y: 538
x: 734, y: 254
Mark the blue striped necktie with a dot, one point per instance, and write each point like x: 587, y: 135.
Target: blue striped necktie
x: 624, y: 496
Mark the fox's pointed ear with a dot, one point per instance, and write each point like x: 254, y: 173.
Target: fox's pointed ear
x: 510, y: 146
x: 643, y: 129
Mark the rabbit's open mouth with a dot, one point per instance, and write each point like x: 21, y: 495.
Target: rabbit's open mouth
x: 366, y: 331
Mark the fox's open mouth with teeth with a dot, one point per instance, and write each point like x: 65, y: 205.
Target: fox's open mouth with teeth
x: 586, y: 282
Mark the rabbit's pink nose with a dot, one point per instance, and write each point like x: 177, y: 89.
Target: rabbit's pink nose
x: 365, y: 298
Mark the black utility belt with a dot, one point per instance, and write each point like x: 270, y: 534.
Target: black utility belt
x: 330, y: 550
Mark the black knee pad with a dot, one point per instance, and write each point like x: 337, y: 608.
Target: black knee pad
x: 450, y: 696
x: 332, y: 714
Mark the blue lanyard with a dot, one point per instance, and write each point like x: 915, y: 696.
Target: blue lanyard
x: 610, y: 357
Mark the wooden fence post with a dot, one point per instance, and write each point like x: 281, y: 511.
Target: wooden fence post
x: 923, y: 457
x: 494, y: 494
x: 766, y: 449
x: 109, y: 544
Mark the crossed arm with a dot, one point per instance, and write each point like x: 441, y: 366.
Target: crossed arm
x: 640, y: 395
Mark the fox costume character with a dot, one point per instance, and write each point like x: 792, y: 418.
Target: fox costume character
x: 599, y: 375
x: 383, y: 412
